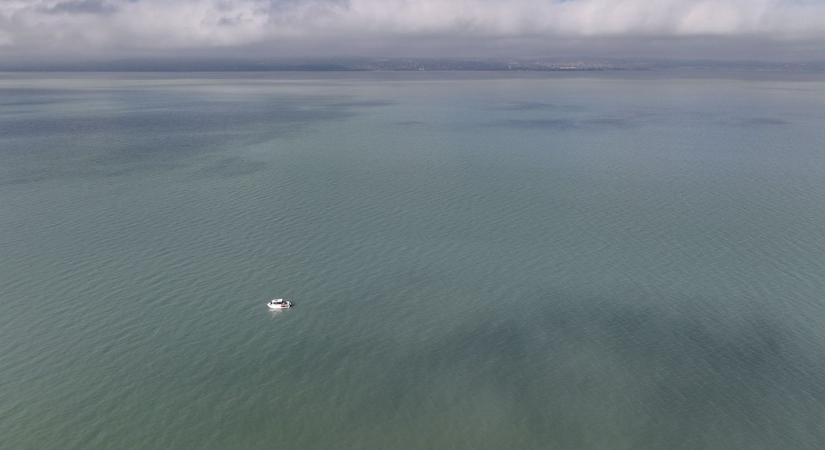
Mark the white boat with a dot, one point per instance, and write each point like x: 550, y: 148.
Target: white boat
x: 279, y: 303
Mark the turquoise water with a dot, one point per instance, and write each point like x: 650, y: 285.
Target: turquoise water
x: 478, y: 261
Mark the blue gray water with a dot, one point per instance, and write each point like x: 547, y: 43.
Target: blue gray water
x: 479, y: 261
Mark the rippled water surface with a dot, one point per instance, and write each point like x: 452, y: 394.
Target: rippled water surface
x: 478, y: 261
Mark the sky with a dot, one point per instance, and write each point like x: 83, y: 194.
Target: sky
x: 60, y: 30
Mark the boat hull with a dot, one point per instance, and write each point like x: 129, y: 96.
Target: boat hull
x: 286, y: 304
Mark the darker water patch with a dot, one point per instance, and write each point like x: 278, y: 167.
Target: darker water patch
x: 362, y: 104
x: 232, y: 167
x: 411, y: 123
x: 756, y: 122
x: 125, y: 131
x: 566, y: 123
x: 566, y: 367
x: 533, y: 106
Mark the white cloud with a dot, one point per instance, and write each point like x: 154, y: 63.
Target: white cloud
x: 83, y: 26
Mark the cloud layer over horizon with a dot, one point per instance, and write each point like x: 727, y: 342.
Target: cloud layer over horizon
x: 118, y: 28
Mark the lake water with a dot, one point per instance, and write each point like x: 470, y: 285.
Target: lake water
x: 478, y: 261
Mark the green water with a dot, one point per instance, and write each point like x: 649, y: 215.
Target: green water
x: 478, y: 261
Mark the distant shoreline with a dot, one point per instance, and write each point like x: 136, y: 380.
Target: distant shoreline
x: 408, y: 65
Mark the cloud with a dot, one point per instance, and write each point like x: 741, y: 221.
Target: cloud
x: 378, y: 26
